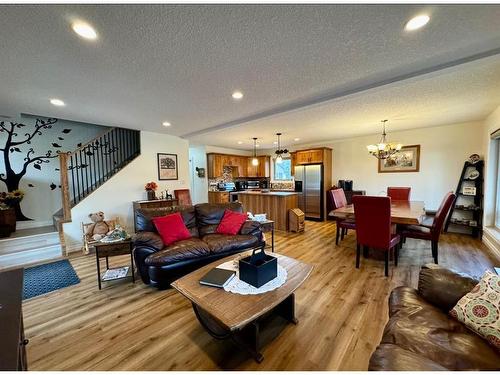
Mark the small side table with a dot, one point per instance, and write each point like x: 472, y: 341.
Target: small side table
x: 268, y: 226
x: 111, y: 249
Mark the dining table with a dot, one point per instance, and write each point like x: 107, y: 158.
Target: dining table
x: 402, y: 212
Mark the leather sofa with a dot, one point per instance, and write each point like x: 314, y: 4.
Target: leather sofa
x: 160, y: 265
x: 421, y: 336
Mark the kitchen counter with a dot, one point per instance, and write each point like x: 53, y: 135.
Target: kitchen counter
x: 273, y: 193
x: 274, y: 204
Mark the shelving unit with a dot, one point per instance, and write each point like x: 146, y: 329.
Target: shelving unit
x: 467, y: 210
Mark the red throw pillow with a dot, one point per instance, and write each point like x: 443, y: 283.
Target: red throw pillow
x: 231, y: 222
x: 171, y: 228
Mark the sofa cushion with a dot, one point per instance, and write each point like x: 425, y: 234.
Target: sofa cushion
x: 389, y: 357
x: 209, y: 215
x: 480, y: 309
x: 179, y: 251
x: 171, y: 228
x: 231, y: 222
x: 421, y: 328
x: 143, y: 218
x: 220, y: 243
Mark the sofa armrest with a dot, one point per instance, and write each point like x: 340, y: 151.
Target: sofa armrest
x: 253, y: 228
x: 442, y: 287
x: 250, y: 227
x: 148, y: 239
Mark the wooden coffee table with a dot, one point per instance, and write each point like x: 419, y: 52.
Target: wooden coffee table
x: 227, y: 315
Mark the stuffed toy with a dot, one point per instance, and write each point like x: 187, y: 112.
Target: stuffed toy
x: 99, y: 227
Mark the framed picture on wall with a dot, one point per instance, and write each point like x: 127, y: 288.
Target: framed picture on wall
x: 406, y: 160
x: 167, y: 167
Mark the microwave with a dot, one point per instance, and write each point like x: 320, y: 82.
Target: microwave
x: 253, y: 185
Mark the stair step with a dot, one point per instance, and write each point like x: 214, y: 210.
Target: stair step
x: 30, y: 257
x: 18, y: 243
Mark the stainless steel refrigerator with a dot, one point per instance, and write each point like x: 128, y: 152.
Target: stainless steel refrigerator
x: 309, y: 185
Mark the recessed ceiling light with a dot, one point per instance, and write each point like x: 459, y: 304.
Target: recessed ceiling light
x: 296, y: 139
x: 84, y: 30
x: 417, y: 22
x: 237, y: 95
x: 57, y: 102
x: 166, y: 123
x: 257, y: 145
x: 240, y: 142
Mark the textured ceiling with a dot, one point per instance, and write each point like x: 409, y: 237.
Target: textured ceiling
x: 461, y: 94
x: 180, y: 63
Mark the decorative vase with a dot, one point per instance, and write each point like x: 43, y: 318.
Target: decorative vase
x: 7, y: 222
x: 151, y: 195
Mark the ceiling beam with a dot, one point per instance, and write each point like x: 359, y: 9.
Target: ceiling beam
x: 355, y: 88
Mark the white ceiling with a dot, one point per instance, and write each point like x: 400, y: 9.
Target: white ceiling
x: 180, y: 63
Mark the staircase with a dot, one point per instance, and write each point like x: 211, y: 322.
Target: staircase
x: 90, y: 166
x: 28, y: 246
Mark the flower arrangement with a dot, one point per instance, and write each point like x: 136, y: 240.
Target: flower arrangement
x: 9, y: 199
x: 151, y: 186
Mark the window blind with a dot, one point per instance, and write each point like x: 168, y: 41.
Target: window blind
x: 496, y: 134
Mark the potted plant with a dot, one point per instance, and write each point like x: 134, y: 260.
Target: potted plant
x: 8, y: 200
x: 150, y: 188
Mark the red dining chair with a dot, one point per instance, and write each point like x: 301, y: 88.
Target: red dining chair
x: 373, y: 227
x: 433, y: 232
x: 339, y: 200
x: 183, y: 197
x: 399, y: 193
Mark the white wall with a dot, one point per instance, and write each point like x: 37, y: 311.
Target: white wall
x: 40, y: 201
x: 115, y: 197
x: 443, y: 151
x: 199, y: 185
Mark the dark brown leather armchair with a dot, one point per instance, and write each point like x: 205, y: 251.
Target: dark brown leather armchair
x: 421, y: 336
x: 159, y: 265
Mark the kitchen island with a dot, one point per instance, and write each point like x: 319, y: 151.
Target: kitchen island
x: 275, y: 204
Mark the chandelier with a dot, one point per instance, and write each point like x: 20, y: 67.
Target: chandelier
x: 383, y: 149
x: 280, y: 152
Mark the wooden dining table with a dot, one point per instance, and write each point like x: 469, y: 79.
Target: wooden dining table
x: 402, y: 212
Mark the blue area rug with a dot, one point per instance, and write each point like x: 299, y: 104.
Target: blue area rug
x: 48, y: 277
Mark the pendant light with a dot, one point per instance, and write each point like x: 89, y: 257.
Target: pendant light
x: 279, y: 152
x: 255, y: 161
x: 383, y: 149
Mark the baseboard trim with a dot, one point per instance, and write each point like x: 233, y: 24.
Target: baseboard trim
x: 491, y: 243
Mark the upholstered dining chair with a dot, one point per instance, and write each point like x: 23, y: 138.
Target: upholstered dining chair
x: 343, y: 225
x: 433, y: 232
x: 399, y: 193
x: 183, y: 196
x: 373, y: 227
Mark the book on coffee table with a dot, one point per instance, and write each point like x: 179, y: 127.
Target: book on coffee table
x: 217, y: 277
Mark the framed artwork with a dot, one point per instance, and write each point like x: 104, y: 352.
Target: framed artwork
x: 406, y: 160
x: 167, y: 167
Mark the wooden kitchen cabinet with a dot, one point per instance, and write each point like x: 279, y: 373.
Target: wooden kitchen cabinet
x: 261, y: 170
x: 218, y: 197
x: 313, y: 156
x: 241, y: 165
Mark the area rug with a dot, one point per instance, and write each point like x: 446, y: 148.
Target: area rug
x: 48, y: 277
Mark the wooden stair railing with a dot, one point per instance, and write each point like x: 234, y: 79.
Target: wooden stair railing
x: 91, y: 165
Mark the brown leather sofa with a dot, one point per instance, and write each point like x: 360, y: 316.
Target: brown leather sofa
x: 160, y: 265
x: 421, y: 336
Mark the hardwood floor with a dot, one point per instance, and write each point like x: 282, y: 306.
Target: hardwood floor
x: 341, y: 310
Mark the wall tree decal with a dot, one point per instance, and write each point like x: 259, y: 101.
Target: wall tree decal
x: 12, y: 178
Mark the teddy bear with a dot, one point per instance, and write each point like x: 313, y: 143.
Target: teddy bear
x: 99, y: 227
